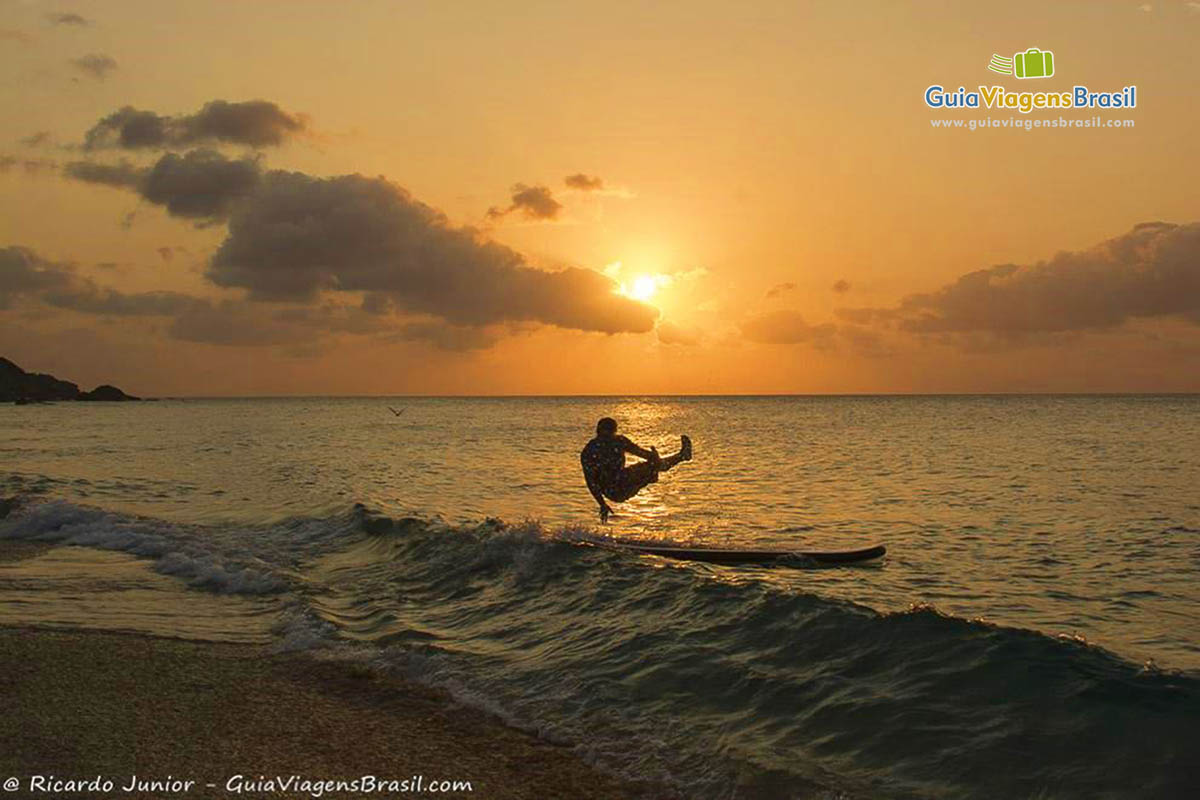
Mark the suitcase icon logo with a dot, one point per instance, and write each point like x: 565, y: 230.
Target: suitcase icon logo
x: 1033, y: 63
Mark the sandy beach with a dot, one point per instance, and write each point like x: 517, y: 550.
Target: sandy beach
x: 127, y: 708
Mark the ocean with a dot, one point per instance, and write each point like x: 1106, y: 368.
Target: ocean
x: 1033, y: 632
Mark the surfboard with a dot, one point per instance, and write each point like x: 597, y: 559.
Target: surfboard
x: 761, y: 557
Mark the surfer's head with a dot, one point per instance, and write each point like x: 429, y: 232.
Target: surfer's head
x: 606, y: 427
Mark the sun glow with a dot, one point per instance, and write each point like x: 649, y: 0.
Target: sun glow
x: 641, y: 287
x: 644, y: 287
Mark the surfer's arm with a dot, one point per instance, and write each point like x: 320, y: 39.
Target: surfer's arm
x: 593, y: 485
x: 640, y: 452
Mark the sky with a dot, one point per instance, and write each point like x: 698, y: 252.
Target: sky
x: 319, y: 198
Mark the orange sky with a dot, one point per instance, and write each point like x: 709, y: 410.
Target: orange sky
x: 765, y: 177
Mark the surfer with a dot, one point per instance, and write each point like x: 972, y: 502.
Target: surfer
x: 604, y: 469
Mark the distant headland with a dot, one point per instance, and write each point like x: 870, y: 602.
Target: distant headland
x: 19, y: 386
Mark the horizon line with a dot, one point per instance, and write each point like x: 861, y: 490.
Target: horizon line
x: 533, y: 396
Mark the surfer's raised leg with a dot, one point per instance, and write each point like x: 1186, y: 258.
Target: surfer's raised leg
x: 684, y: 454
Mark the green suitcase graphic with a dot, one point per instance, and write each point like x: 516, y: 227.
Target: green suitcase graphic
x: 1034, y: 63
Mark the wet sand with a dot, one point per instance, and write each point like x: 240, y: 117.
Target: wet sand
x: 80, y: 704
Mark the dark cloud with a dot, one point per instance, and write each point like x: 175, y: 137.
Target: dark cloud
x: 68, y: 19
x: 584, y: 183
x: 200, y: 184
x: 122, y: 176
x: 36, y: 139
x: 865, y: 341
x: 296, y: 236
x: 23, y: 272
x: 36, y: 166
x: 246, y: 324
x: 32, y: 166
x: 1152, y: 271
x: 841, y: 286
x: 300, y: 239
x: 780, y: 289
x: 378, y: 303
x: 236, y: 323
x: 129, y: 129
x: 786, y: 327
x: 254, y: 123
x: 445, y: 336
x: 86, y: 297
x: 96, y: 65
x: 241, y: 323
x: 532, y: 202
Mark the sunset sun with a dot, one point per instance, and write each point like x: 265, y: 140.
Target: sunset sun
x: 644, y: 287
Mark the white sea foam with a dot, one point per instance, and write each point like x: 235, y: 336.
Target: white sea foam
x: 175, y: 550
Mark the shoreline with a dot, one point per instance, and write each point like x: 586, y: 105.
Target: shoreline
x: 119, y: 705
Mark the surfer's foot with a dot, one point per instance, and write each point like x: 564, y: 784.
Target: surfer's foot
x: 685, y: 448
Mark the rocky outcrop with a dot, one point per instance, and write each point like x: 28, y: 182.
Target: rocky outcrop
x: 19, y: 386
x: 105, y: 392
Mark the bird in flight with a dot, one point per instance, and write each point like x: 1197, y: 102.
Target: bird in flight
x: 394, y: 411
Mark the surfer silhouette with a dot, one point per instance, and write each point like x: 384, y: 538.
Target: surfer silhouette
x: 603, y: 461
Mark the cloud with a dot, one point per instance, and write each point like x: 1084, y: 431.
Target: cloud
x: 86, y: 297
x: 239, y: 323
x: 23, y: 272
x: 786, y: 327
x: 234, y: 323
x: 1152, y: 271
x: 254, y: 123
x: 299, y: 239
x: 96, y: 65
x: 296, y: 236
x: 36, y: 139
x: 128, y: 129
x: 26, y: 275
x: 445, y: 336
x: 671, y: 333
x: 865, y: 341
x: 533, y: 202
x: 32, y: 166
x: 584, y: 183
x: 36, y: 166
x: 200, y: 184
x: 841, y: 286
x: 122, y: 176
x: 780, y: 289
x: 68, y: 19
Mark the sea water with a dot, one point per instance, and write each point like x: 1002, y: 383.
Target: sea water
x: 1034, y: 630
